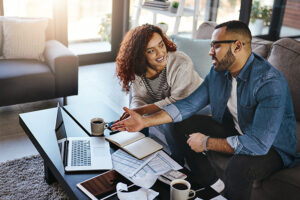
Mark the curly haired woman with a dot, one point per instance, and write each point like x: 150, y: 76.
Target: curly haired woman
x: 157, y: 74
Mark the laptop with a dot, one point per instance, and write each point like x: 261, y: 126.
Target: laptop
x: 81, y: 153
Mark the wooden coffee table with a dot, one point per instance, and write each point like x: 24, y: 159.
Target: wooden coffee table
x: 39, y: 126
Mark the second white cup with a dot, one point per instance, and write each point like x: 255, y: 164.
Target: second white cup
x: 181, y: 190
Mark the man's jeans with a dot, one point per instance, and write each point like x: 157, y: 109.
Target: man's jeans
x: 237, y: 171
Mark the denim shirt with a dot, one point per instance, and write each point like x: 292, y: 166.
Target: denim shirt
x: 264, y: 105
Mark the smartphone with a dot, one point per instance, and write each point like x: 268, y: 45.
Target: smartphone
x: 171, y: 175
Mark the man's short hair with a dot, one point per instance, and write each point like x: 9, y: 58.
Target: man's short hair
x: 238, y: 27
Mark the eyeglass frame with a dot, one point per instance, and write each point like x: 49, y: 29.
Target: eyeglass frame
x: 220, y: 42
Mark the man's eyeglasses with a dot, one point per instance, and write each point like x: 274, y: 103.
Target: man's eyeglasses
x: 213, y: 43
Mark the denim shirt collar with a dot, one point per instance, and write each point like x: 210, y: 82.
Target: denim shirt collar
x: 244, y: 74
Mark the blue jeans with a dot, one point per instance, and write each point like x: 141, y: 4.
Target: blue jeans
x: 237, y: 171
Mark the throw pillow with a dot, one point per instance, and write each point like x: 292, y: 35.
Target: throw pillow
x: 24, y: 38
x: 197, y: 50
x: 205, y: 30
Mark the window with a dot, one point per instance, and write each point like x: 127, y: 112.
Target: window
x: 260, y: 16
x: 291, y: 20
x: 228, y: 10
x: 209, y: 10
x: 89, y: 26
x: 28, y: 8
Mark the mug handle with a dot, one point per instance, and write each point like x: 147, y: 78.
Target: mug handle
x: 193, y: 193
x: 106, y: 125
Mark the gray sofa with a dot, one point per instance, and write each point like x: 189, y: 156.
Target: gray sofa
x: 283, y: 54
x: 26, y: 80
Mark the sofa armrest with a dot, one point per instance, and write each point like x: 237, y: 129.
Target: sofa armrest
x: 64, y: 64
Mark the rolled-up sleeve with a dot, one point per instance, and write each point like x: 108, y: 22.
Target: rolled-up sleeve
x: 173, y: 112
x: 188, y: 106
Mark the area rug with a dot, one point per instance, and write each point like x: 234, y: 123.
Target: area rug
x: 24, y: 179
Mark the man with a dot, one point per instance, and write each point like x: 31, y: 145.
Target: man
x: 252, y: 121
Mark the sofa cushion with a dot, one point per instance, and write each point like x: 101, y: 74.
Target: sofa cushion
x: 285, y: 56
x: 261, y: 47
x: 289, y: 175
x: 25, y: 81
x: 24, y: 38
x: 198, y: 51
x: 287, y: 181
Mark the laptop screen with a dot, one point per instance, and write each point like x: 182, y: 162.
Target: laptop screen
x: 60, y: 130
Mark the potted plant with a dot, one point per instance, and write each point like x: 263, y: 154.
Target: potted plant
x: 163, y: 26
x: 260, y: 17
x: 174, y: 6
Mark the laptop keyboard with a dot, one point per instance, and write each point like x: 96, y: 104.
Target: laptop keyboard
x: 81, y: 153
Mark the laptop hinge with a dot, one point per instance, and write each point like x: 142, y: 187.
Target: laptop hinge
x: 66, y: 152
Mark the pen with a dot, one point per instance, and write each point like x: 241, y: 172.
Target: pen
x: 143, y: 165
x: 113, y: 132
x: 199, y: 190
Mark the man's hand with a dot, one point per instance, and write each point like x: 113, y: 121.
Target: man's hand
x: 195, y: 141
x: 132, y: 123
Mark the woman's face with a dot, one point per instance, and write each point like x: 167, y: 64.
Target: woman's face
x: 156, y: 52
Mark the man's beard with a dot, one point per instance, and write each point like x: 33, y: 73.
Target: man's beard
x: 225, y: 63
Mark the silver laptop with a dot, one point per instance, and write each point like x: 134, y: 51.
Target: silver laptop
x: 81, y: 153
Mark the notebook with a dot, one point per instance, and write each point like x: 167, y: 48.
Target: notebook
x: 135, y: 143
x: 81, y: 153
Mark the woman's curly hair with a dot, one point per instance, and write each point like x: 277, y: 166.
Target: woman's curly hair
x: 131, y: 59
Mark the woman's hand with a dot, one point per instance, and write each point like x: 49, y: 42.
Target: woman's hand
x: 124, y: 116
x: 132, y: 123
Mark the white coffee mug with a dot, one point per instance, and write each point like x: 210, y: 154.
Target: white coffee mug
x: 181, y: 190
x: 98, y: 126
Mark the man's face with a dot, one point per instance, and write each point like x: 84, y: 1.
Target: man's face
x: 221, y: 53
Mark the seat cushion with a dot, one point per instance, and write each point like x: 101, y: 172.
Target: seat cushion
x: 25, y: 81
x: 284, y: 184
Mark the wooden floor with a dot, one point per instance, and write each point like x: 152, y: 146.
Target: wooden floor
x: 95, y: 82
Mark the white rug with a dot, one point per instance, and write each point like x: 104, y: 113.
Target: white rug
x: 24, y: 179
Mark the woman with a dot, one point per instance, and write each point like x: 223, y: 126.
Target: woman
x: 157, y: 74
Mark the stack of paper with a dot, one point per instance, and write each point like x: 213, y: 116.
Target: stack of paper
x: 127, y: 165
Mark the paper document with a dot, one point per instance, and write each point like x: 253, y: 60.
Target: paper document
x: 219, y: 197
x: 141, y: 194
x: 126, y: 164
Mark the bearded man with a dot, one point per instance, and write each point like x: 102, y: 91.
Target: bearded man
x: 252, y: 124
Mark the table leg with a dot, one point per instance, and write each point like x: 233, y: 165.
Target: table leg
x: 49, y: 177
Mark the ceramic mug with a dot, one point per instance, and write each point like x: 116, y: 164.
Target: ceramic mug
x: 181, y: 190
x: 98, y: 125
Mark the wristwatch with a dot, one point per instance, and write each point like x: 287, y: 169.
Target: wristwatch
x: 205, y: 142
